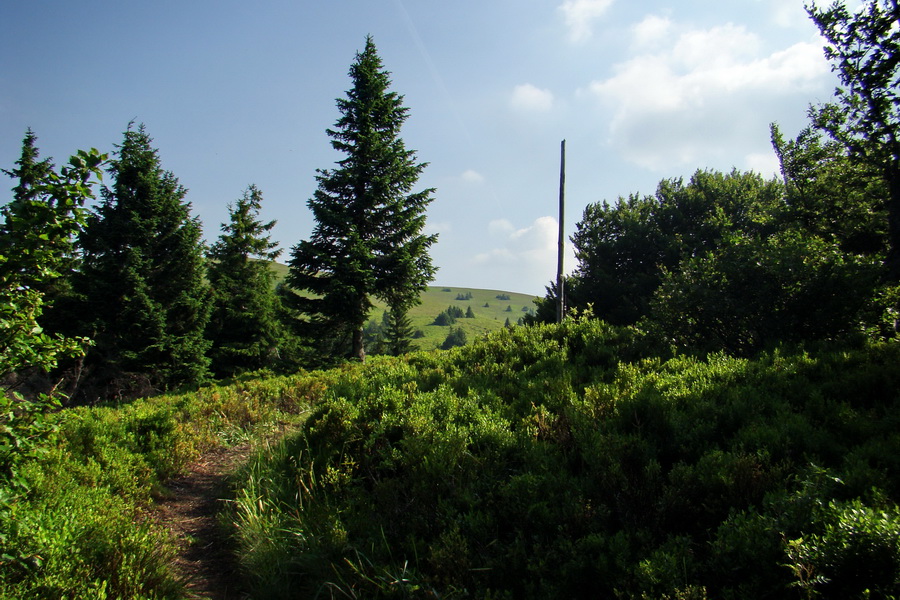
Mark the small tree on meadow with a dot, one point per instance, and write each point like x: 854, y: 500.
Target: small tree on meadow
x: 398, y: 333
x: 244, y: 328
x: 444, y: 318
x: 456, y: 337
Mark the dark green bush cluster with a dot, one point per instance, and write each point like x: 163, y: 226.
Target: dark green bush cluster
x: 449, y: 316
x: 456, y: 337
x: 564, y: 462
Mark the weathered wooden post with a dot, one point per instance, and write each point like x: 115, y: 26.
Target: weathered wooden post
x: 560, y: 279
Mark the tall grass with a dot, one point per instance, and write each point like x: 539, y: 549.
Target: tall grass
x: 76, y: 526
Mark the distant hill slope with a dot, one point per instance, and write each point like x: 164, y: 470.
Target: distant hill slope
x: 490, y: 310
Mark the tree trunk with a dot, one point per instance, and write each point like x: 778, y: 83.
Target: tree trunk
x: 892, y: 263
x: 359, y: 352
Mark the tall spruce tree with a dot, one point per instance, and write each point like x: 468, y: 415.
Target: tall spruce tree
x: 368, y: 239
x: 143, y: 277
x: 244, y: 328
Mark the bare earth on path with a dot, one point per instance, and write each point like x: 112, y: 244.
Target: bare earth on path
x: 190, y: 510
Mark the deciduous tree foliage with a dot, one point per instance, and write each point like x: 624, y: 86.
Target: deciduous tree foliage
x: 864, y: 49
x: 244, y: 328
x: 624, y: 249
x: 828, y: 194
x: 735, y: 262
x: 35, y: 247
x: 146, y: 301
x: 33, y: 207
x: 368, y: 239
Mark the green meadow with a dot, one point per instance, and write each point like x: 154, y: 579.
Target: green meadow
x: 490, y: 310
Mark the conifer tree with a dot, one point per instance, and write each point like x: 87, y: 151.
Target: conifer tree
x: 398, y: 333
x: 244, y: 327
x: 368, y: 239
x: 29, y: 171
x: 143, y: 277
x: 456, y: 337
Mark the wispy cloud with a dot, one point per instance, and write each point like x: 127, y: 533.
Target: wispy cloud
x: 523, y: 258
x: 529, y: 98
x: 472, y: 176
x: 580, y: 16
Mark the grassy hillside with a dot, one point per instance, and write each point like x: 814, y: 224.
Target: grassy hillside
x: 490, y: 311
x: 487, y: 318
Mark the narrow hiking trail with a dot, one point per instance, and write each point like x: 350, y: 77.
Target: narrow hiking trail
x: 190, y: 511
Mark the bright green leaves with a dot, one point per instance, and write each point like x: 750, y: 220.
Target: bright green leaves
x: 36, y: 246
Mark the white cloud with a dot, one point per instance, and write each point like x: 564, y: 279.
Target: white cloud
x: 523, y: 259
x: 528, y: 98
x: 472, y: 176
x: 788, y: 14
x: 702, y: 93
x: 651, y: 32
x: 766, y: 164
x: 500, y: 227
x: 580, y: 16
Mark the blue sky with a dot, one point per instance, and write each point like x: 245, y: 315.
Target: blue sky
x: 235, y: 93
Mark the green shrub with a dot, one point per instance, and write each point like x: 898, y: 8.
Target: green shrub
x: 568, y: 462
x: 856, y: 555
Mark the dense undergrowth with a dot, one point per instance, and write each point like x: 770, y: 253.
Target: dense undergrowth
x: 74, y: 520
x: 540, y: 462
x: 567, y: 462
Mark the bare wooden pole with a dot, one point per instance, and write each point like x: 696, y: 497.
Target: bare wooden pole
x: 560, y: 280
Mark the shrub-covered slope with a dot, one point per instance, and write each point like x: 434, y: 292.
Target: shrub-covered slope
x: 562, y: 462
